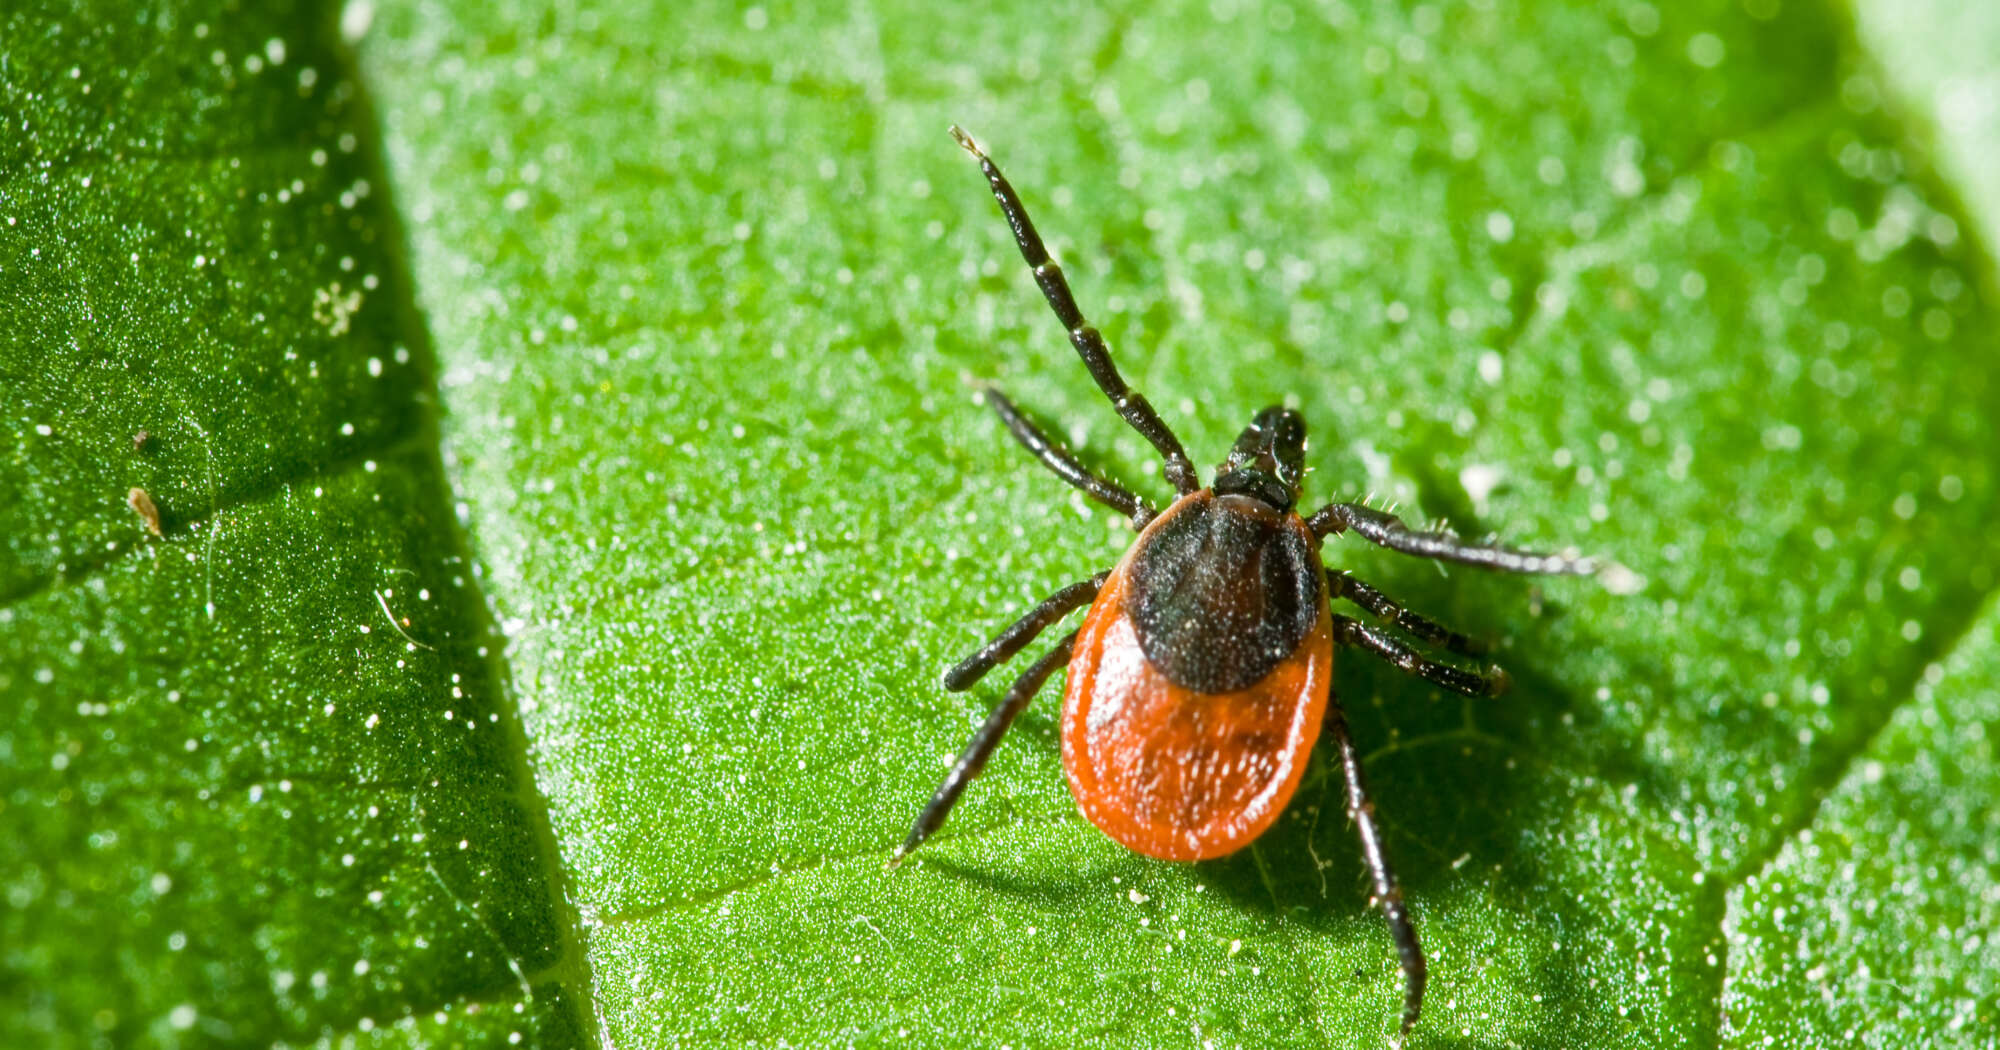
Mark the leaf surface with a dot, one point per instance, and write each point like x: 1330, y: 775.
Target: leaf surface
x: 1703, y: 288
x: 257, y: 777
x: 1667, y: 283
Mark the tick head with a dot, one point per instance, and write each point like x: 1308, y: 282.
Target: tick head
x: 1268, y: 461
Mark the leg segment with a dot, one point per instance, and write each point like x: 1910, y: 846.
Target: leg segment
x: 973, y: 758
x: 1387, y: 894
x: 1088, y: 342
x: 1472, y: 683
x: 1058, y: 459
x: 1386, y: 530
x: 1022, y: 631
x: 1388, y: 610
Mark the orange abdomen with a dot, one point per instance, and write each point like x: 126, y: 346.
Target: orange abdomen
x: 1175, y: 773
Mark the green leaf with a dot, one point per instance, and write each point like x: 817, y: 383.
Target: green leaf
x: 243, y: 805
x: 1879, y: 917
x: 711, y: 292
x: 1669, y: 276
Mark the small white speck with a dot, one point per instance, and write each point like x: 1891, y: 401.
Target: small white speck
x: 355, y: 19
x: 1499, y: 226
x: 1626, y: 178
x: 1783, y: 437
x: 1618, y: 579
x: 1552, y: 298
x: 1479, y: 480
x: 1706, y: 50
x: 182, y: 1017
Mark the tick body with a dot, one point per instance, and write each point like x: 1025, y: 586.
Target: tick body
x: 1201, y: 677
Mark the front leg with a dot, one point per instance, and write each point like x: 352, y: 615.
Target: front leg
x: 1088, y: 341
x: 1387, y: 530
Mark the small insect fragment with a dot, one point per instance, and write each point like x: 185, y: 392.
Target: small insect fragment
x: 142, y: 504
x: 1201, y: 676
x: 399, y: 625
x: 142, y: 440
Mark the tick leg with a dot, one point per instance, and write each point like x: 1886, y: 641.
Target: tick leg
x: 1359, y: 635
x: 973, y: 758
x: 1022, y: 631
x: 1387, y: 530
x: 1388, y: 610
x: 1058, y: 459
x: 1387, y: 894
x: 1088, y: 342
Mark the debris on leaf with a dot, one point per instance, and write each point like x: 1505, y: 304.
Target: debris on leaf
x: 143, y: 505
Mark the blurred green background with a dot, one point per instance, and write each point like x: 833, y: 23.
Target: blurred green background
x: 571, y: 487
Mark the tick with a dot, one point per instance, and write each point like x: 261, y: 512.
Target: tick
x: 1202, y: 673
